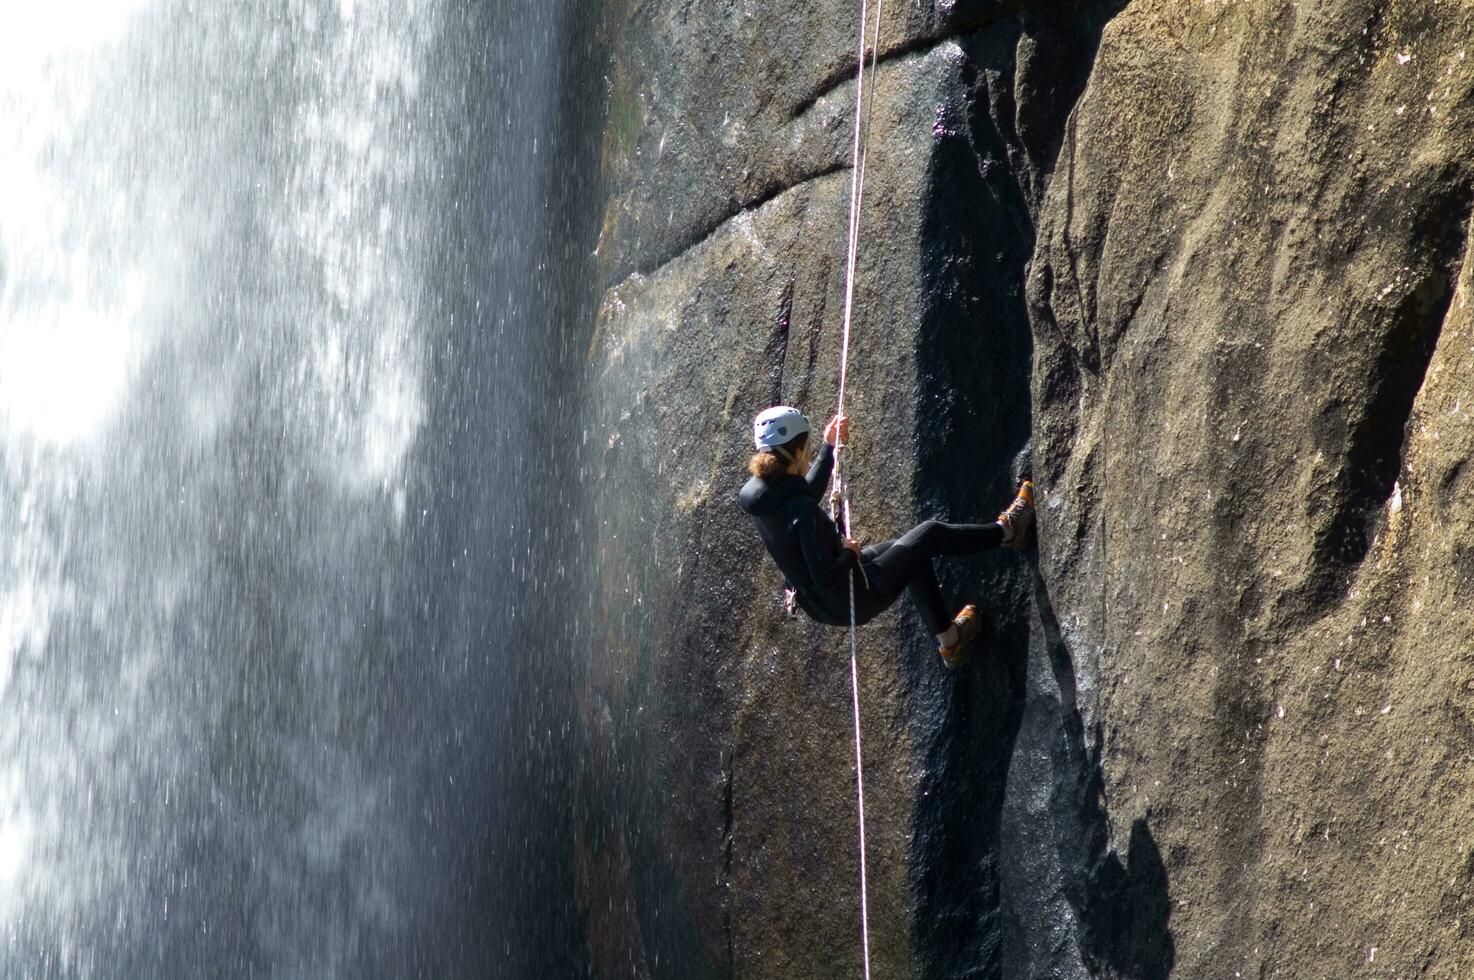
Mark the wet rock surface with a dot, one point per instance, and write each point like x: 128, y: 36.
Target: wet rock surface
x: 1203, y: 272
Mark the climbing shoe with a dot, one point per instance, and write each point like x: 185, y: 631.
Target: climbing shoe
x: 1018, y: 520
x: 968, y: 623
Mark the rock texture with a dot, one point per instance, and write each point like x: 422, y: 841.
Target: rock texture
x: 1250, y: 310
x: 1202, y: 269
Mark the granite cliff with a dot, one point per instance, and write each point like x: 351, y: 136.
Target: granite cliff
x: 1203, y: 270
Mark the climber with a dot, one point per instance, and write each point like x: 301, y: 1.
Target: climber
x: 817, y: 561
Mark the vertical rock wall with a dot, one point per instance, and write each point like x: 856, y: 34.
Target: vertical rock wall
x: 1210, y: 260
x: 1250, y: 308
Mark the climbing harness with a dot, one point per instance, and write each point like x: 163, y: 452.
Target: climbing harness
x: 839, y: 498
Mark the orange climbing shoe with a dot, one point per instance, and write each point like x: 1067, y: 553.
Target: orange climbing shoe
x: 968, y: 623
x: 1018, y: 519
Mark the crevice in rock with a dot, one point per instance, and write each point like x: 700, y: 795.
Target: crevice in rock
x: 844, y: 74
x: 960, y: 24
x: 973, y: 362
x: 1376, y: 444
x: 964, y: 19
x: 1050, y: 86
x: 765, y: 195
x: 1090, y: 357
x: 776, y: 351
x: 967, y: 20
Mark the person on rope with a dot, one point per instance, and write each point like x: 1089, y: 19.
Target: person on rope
x: 817, y: 560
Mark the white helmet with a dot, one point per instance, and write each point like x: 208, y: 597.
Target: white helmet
x: 778, y: 426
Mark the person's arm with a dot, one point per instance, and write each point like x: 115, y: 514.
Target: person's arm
x: 825, y: 552
x: 818, y: 478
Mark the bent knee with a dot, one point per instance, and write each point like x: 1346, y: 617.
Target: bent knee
x: 926, y: 531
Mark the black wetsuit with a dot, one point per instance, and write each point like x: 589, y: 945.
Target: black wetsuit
x: 810, y: 553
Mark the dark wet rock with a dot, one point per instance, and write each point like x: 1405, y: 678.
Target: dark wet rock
x: 1203, y: 270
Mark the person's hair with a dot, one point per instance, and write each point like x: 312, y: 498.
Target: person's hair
x: 768, y: 464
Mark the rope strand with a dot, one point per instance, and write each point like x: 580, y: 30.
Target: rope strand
x: 859, y: 783
x: 859, y: 155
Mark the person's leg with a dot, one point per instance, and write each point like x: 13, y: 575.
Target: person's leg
x: 935, y: 539
x: 873, y: 591
x: 907, y: 562
x: 906, y: 565
x: 887, y: 575
x: 926, y: 596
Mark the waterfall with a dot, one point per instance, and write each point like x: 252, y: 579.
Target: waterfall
x: 266, y: 286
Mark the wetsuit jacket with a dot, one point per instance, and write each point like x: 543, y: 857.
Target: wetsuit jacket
x: 802, y: 539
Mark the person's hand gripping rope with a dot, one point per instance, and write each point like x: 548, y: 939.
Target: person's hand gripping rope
x: 837, y: 433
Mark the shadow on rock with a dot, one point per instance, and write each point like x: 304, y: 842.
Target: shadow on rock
x: 1122, y: 908
x: 955, y: 860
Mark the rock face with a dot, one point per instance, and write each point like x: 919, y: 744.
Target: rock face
x: 1252, y: 348
x: 1202, y: 270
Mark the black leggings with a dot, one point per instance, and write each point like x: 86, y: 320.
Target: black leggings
x: 904, y: 564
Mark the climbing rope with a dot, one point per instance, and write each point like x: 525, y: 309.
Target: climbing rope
x: 841, y: 493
